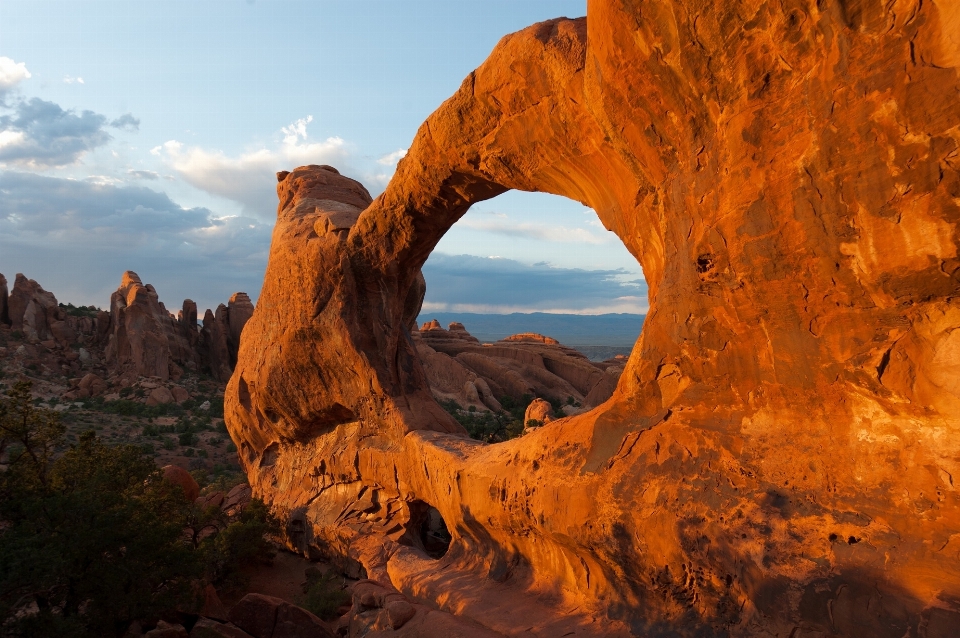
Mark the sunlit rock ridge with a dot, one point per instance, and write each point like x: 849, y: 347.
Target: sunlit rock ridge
x: 781, y: 452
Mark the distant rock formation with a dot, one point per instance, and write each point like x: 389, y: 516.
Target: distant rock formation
x: 138, y: 336
x: 138, y: 343
x: 36, y: 313
x: 460, y: 368
x: 215, y: 343
x: 147, y: 340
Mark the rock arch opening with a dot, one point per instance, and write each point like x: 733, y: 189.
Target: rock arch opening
x: 529, y: 299
x: 427, y: 530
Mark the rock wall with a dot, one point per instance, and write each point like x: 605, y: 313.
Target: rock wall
x: 779, y: 455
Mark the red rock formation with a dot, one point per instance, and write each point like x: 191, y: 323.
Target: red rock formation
x: 137, y: 337
x: 144, y: 339
x: 531, y: 337
x: 239, y: 311
x: 779, y: 455
x: 36, y: 313
x: 539, y: 411
x: 4, y: 304
x: 215, y: 344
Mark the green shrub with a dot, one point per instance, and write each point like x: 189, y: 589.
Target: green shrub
x: 323, y: 595
x: 240, y: 543
x: 187, y: 439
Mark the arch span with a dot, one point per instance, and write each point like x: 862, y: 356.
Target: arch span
x: 786, y: 174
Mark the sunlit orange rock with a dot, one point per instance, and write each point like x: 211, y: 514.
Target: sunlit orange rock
x: 781, y: 452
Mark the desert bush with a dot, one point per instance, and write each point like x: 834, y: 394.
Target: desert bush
x: 323, y: 594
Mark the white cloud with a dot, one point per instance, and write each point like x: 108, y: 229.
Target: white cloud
x: 391, y: 159
x: 542, y: 232
x: 70, y: 80
x: 12, y: 73
x: 250, y: 178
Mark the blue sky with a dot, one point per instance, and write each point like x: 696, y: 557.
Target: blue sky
x: 145, y: 136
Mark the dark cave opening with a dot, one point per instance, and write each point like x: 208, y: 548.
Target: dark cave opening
x: 427, y: 530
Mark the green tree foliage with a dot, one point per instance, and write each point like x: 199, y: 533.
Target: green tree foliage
x: 488, y: 426
x: 93, y: 538
x: 239, y: 543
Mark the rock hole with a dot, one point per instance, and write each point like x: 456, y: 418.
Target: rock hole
x: 244, y: 394
x: 833, y: 538
x: 270, y: 455
x: 427, y: 530
x: 704, y: 263
x: 853, y: 540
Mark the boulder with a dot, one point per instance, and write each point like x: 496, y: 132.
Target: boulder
x: 176, y: 475
x: 399, y: 612
x: 539, y: 411
x: 268, y: 617
x: 180, y: 394
x: 212, y: 607
x: 167, y: 630
x: 91, y: 385
x: 160, y: 396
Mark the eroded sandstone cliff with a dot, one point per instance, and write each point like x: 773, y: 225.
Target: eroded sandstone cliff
x: 780, y: 454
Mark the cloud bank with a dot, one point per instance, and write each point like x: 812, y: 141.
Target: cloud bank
x: 99, y: 230
x: 464, y: 283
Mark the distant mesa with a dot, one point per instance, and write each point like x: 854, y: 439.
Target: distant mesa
x: 530, y: 337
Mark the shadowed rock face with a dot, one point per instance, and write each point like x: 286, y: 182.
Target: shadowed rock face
x: 781, y: 452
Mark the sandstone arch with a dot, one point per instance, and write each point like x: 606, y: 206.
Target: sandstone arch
x: 781, y: 451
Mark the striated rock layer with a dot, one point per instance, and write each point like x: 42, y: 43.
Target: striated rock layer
x: 780, y: 454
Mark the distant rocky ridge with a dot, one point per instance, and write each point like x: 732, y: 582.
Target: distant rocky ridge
x: 137, y: 337
x: 474, y: 374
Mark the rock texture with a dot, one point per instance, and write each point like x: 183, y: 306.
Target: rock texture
x: 781, y: 451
